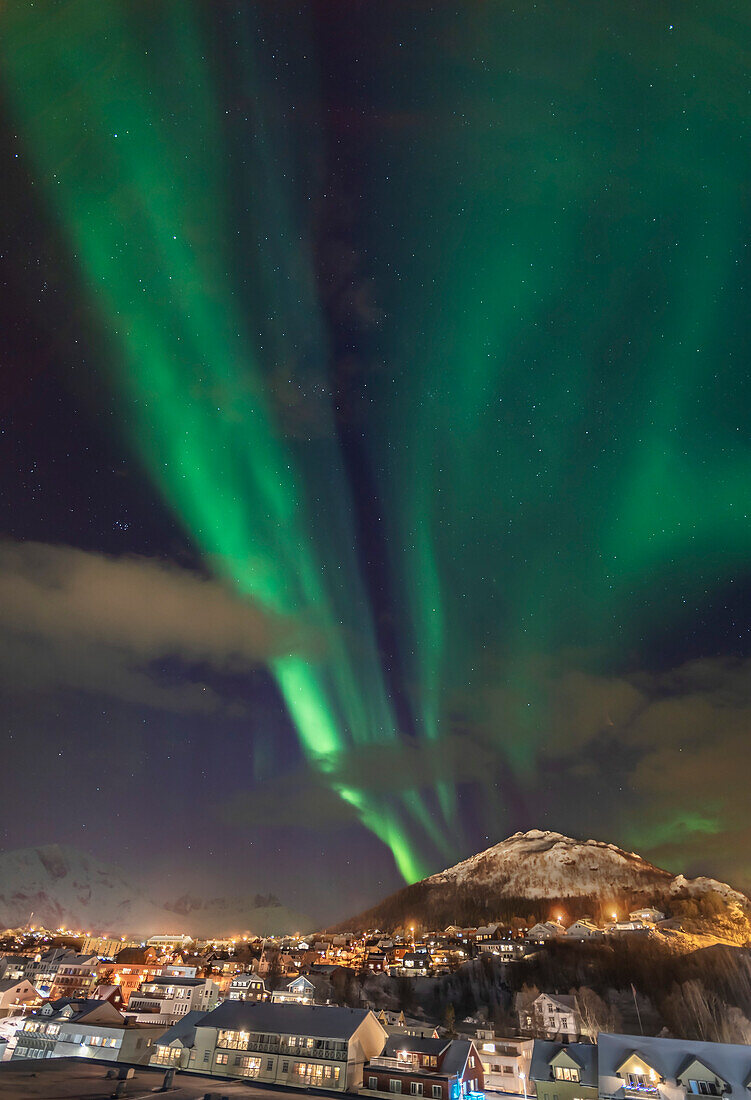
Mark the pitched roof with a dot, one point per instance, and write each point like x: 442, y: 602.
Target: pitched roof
x: 545, y: 1050
x: 672, y: 1058
x: 563, y: 1000
x: 319, y: 1021
x: 184, y: 1031
x: 455, y: 1058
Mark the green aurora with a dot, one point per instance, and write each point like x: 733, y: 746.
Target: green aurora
x: 553, y: 208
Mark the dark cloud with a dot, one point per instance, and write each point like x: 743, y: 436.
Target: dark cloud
x: 77, y: 620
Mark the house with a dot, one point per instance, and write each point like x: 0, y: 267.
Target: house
x: 246, y: 987
x: 629, y: 927
x: 552, y: 1017
x: 440, y: 1069
x: 564, y: 1071
x: 505, y: 949
x: 15, y: 994
x: 132, y: 966
x: 583, y: 929
x: 671, y: 1069
x: 164, y: 999
x: 416, y: 964
x: 303, y: 1046
x: 486, y: 932
x: 42, y: 969
x: 541, y: 933
x: 376, y: 962
x: 76, y: 976
x: 396, y: 1023
x: 173, y: 1049
x: 84, y: 1029
x: 14, y: 966
x: 648, y: 915
x: 505, y: 1062
x: 111, y: 993
x: 171, y: 943
x: 299, y: 991
x: 106, y: 947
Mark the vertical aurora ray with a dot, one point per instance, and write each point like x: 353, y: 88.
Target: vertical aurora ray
x: 135, y: 177
x: 552, y: 205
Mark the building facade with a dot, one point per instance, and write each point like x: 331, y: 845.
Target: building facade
x: 304, y: 1046
x: 439, y: 1069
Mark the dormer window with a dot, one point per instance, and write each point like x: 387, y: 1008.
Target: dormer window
x: 566, y: 1073
x: 703, y: 1088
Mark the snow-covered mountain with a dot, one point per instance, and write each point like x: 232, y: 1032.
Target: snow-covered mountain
x: 65, y: 888
x: 537, y: 867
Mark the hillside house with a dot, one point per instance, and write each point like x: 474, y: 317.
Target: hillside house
x: 648, y: 915
x: 553, y: 1017
x: 547, y: 930
x: 299, y: 991
x: 246, y: 987
x: 583, y: 929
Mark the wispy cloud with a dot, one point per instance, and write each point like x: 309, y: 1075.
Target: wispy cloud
x: 77, y: 620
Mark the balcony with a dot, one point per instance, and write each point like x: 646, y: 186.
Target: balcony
x: 405, y: 1064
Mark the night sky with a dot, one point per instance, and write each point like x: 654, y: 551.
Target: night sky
x: 375, y: 462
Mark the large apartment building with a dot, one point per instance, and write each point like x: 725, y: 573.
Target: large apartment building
x: 305, y: 1046
x: 85, y: 1029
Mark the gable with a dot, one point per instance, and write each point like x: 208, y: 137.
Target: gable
x: 563, y: 1057
x: 637, y: 1063
x: 695, y: 1070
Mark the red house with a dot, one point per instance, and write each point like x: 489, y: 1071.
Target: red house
x: 438, y: 1069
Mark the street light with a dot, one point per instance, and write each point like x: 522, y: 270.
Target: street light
x: 524, y: 1083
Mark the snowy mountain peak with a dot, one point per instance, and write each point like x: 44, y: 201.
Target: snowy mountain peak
x: 543, y: 863
x: 538, y: 866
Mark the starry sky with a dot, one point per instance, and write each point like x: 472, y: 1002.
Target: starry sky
x: 375, y: 466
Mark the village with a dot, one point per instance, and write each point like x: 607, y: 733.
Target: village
x: 348, y: 1012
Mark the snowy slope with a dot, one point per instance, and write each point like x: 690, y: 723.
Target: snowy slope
x: 545, y: 864
x: 536, y: 866
x: 65, y: 888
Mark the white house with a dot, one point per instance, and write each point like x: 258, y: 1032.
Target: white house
x: 246, y: 987
x: 505, y: 1062
x: 583, y: 929
x: 299, y: 991
x: 164, y: 999
x: 552, y: 1017
x: 648, y: 915
x: 84, y: 1029
x: 15, y: 994
x: 548, y: 930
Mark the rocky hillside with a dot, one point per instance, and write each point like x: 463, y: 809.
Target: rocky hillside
x: 65, y: 888
x: 528, y: 874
